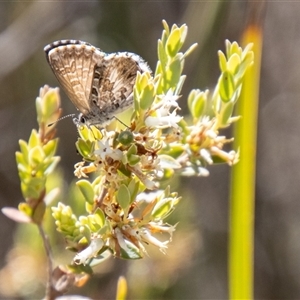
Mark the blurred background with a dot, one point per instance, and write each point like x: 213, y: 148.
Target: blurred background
x: 196, y: 264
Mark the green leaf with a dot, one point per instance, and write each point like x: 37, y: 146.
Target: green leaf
x: 131, y: 251
x: 34, y: 139
x: 89, y: 133
x: 147, y: 96
x: 174, y: 43
x: 246, y: 63
x: 85, y: 148
x: 228, y: 48
x: 176, y: 150
x: 172, y: 75
x: 102, y: 255
x: 133, y: 159
x: 94, y: 133
x: 21, y: 159
x: 31, y: 189
x: 142, y: 81
x: 183, y: 33
x: 49, y: 168
x: 179, y: 85
x: 132, y: 150
x: 123, y: 197
x: 23, y: 147
x: 222, y: 61
x: 50, y: 147
x: 39, y: 212
x: 227, y: 111
x: 162, y: 208
x: 36, y: 155
x: 159, y: 70
x: 123, y: 169
x: 25, y: 208
x: 93, y: 224
x: 167, y: 174
x: 235, y: 49
x: 189, y: 50
x: 133, y: 188
x: 226, y: 86
x: 199, y: 104
x: 39, y: 109
x: 191, y: 98
x: 99, y: 216
x: 85, y: 231
x: 233, y: 63
x: 136, y: 99
x: 87, y: 190
x: 80, y: 269
x: 163, y: 58
x: 168, y: 162
x: 50, y: 103
x: 166, y: 27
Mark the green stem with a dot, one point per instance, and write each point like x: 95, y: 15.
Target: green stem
x: 241, y: 244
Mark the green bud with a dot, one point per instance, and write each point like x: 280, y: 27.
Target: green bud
x: 125, y: 137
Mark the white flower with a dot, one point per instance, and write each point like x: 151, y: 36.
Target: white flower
x: 148, y: 197
x: 211, y: 134
x: 144, y: 234
x: 151, y: 163
x: 155, y: 227
x: 105, y: 150
x: 89, y: 252
x: 81, y: 169
x: 163, y: 121
x: 206, y: 156
x: 147, y: 237
x: 121, y: 239
x: 231, y: 157
x: 134, y: 232
x: 167, y: 101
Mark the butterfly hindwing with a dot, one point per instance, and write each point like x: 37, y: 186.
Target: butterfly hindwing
x: 117, y: 81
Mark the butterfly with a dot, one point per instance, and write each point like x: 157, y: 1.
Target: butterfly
x: 100, y: 85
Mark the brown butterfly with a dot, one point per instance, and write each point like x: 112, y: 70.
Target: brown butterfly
x: 100, y: 85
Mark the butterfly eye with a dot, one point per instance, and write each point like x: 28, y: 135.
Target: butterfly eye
x: 82, y: 119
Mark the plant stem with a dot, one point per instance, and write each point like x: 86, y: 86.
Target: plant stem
x: 241, y: 244
x: 49, y: 295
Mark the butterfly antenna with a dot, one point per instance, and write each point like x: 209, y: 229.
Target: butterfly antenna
x: 63, y: 117
x: 121, y: 122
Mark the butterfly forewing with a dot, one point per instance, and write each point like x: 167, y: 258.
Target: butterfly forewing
x: 86, y: 61
x: 73, y: 63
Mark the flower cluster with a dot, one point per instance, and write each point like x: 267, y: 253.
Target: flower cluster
x: 127, y: 203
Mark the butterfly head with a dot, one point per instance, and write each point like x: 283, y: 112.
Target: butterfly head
x: 90, y: 119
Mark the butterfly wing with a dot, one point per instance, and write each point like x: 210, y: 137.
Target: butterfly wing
x: 73, y: 63
x: 112, y: 88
